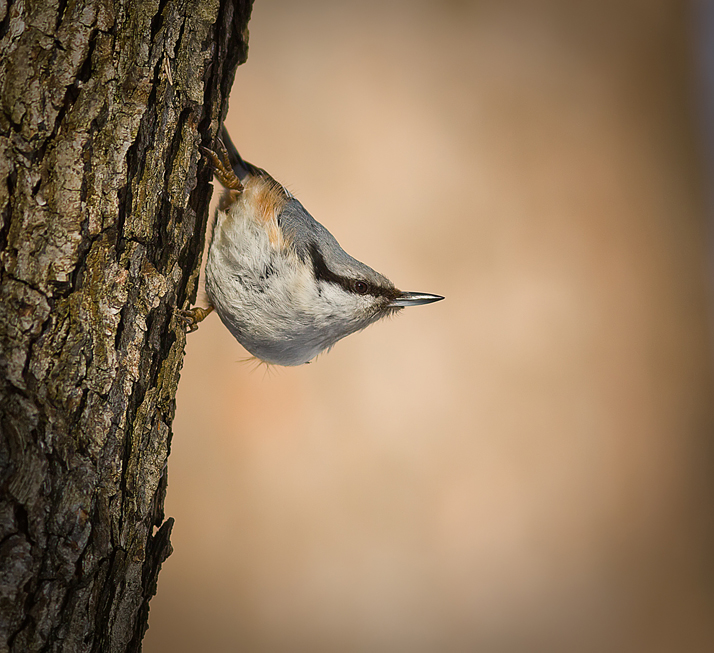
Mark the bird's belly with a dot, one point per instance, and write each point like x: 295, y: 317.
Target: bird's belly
x: 261, y: 292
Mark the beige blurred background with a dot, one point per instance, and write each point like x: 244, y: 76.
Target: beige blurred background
x: 524, y: 467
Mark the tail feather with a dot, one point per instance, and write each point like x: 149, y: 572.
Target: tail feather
x: 240, y: 167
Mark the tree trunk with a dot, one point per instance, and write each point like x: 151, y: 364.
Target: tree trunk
x: 103, y: 209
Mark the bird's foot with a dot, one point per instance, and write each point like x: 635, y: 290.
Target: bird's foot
x: 222, y: 167
x: 191, y: 317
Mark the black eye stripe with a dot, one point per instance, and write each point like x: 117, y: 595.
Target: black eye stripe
x: 323, y: 273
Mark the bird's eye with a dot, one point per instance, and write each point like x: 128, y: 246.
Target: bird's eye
x: 361, y: 287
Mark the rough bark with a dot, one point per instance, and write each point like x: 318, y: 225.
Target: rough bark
x: 103, y: 210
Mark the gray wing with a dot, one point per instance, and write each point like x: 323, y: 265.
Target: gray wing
x: 305, y: 233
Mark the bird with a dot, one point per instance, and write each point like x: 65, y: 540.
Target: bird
x: 278, y: 279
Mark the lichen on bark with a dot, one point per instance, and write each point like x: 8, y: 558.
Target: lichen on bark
x: 103, y: 210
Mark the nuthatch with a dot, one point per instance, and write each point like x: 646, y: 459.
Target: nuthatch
x: 278, y: 279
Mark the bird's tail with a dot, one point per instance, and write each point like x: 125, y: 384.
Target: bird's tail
x: 240, y: 167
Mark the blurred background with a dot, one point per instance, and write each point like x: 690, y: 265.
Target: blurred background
x: 527, y: 466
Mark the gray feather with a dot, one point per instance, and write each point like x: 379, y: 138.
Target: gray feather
x: 303, y: 231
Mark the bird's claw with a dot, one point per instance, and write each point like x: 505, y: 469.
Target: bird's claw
x: 192, y: 316
x: 222, y: 167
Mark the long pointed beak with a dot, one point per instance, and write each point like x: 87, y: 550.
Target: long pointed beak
x: 415, y: 299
